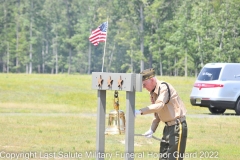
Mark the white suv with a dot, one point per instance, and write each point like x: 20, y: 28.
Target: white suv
x: 218, y: 88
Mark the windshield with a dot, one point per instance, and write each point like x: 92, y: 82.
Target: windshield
x: 209, y: 74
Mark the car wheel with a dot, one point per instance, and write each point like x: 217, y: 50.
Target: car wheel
x: 237, y: 108
x: 217, y: 110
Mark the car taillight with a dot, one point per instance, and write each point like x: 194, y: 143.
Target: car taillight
x: 207, y: 85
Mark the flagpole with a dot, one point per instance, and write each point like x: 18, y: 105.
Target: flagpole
x: 105, y: 46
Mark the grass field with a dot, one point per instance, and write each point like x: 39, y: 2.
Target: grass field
x: 47, y: 116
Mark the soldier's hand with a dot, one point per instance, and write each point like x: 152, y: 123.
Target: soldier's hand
x: 137, y: 112
x: 149, y: 133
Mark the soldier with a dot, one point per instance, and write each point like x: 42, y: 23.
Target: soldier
x: 168, y: 108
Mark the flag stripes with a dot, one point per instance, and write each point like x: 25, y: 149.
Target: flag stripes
x: 99, y: 34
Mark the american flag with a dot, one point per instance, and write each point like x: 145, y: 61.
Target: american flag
x: 99, y: 34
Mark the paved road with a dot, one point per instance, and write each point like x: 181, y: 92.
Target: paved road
x: 207, y: 115
x: 212, y: 115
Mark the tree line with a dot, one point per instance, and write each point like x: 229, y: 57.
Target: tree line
x: 176, y: 37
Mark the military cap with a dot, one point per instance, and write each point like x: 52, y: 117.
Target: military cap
x: 147, y: 74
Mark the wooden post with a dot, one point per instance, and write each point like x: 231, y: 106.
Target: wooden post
x: 101, y: 112
x: 130, y: 119
x: 122, y: 82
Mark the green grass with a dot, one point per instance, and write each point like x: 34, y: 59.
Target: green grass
x: 72, y: 93
x: 48, y: 114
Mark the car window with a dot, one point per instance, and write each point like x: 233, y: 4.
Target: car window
x: 209, y: 74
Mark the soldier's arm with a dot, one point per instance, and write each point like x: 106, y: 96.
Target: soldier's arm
x: 155, y: 122
x: 159, y: 104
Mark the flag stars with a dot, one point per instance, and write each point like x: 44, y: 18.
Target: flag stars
x: 99, y: 34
